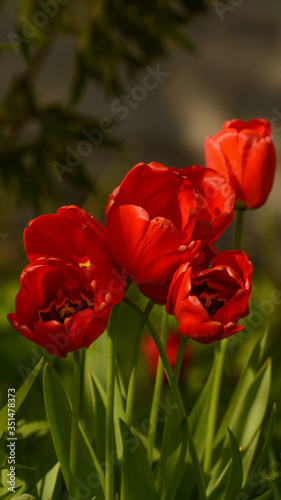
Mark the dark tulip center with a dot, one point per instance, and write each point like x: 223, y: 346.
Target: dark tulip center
x: 209, y: 297
x: 60, y: 312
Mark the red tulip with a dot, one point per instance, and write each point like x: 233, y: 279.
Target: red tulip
x: 58, y: 309
x: 151, y: 354
x: 159, y: 293
x: 208, y: 303
x: 150, y: 220
x: 244, y: 153
x: 73, y: 235
x: 214, y: 200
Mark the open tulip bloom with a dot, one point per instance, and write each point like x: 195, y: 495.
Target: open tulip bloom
x: 162, y: 224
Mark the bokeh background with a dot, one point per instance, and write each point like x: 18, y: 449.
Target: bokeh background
x: 68, y: 71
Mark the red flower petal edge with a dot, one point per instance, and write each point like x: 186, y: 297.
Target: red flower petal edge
x: 244, y: 153
x: 208, y: 303
x: 58, y: 308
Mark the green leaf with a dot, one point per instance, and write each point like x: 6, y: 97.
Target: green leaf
x: 250, y: 411
x: 21, y: 488
x: 248, y: 455
x: 263, y: 454
x: 243, y: 385
x: 199, y: 414
x: 9, y: 495
x: 176, y: 462
x: 118, y: 409
x: 20, y: 396
x: 268, y: 495
x: 187, y: 485
x: 236, y: 477
x: 18, y: 466
x: 37, y: 427
x: 46, y: 486
x: 98, y: 419
x: 218, y: 482
x: 246, y: 421
x: 59, y: 411
x: 138, y: 477
x: 227, y: 484
x: 25, y: 496
x: 97, y: 359
x: 144, y: 441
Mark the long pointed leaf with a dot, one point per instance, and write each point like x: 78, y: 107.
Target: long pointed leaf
x: 118, y: 409
x: 246, y: 420
x: 9, y: 494
x: 138, y: 477
x: 236, y: 477
x: 268, y: 495
x: 251, y: 410
x: 199, y: 414
x: 263, y: 454
x: 176, y: 463
x: 243, y: 385
x: 20, y: 396
x: 58, y: 408
x: 46, y: 486
x: 98, y: 419
x: 248, y: 454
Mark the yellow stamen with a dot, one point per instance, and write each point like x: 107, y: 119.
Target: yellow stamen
x: 85, y: 264
x: 66, y: 311
x: 208, y: 298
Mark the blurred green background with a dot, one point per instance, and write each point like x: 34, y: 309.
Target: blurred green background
x: 90, y: 88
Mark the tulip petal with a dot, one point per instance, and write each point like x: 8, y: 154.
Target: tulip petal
x: 258, y: 178
x: 55, y: 236
x: 126, y: 228
x: 238, y: 261
x: 245, y: 154
x: 160, y: 252
x: 260, y: 125
x: 157, y: 293
x: 203, y: 332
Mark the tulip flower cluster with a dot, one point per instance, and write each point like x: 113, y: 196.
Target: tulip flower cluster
x: 161, y: 226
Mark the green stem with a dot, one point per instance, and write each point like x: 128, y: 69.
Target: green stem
x: 82, y: 371
x: 238, y: 229
x: 157, y: 392
x: 215, y: 395
x: 74, y: 424
x: 109, y: 423
x: 170, y: 418
x: 180, y: 407
x: 161, y: 350
x: 132, y: 381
